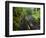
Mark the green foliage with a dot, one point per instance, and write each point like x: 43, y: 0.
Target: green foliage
x: 20, y: 12
x: 36, y: 15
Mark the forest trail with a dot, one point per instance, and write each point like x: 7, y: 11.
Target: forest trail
x: 28, y: 24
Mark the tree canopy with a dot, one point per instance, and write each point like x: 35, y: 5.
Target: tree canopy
x: 21, y: 12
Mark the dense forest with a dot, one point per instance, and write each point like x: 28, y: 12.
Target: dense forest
x: 25, y: 18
